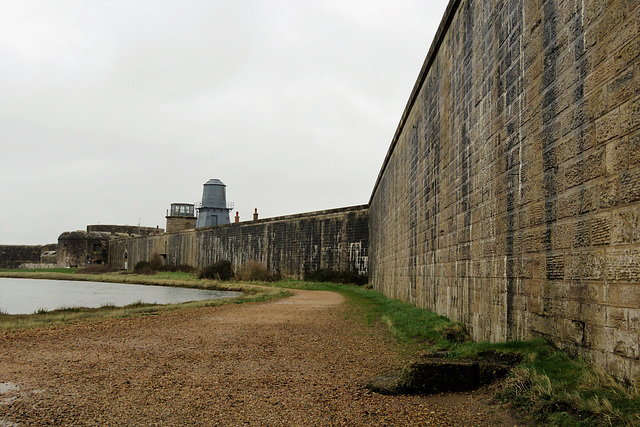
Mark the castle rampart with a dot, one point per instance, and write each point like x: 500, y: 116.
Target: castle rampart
x: 515, y: 177
x: 293, y: 245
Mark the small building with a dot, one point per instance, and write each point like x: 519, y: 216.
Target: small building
x: 81, y: 248
x: 181, y: 216
x: 214, y: 209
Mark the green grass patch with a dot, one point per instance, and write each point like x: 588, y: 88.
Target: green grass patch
x: 45, y: 270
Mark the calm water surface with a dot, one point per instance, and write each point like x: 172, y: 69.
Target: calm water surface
x: 25, y: 296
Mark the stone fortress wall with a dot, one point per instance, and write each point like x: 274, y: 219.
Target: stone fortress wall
x: 12, y: 256
x: 293, y: 245
x: 514, y: 178
x: 509, y: 199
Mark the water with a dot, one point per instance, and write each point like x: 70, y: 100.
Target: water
x: 25, y: 296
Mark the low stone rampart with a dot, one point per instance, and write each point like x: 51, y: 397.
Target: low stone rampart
x: 12, y: 256
x: 293, y: 245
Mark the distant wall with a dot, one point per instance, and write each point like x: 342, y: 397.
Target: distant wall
x: 509, y: 199
x: 124, y: 229
x: 293, y: 245
x: 11, y: 256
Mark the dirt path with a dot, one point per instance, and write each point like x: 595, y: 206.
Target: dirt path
x: 295, y: 361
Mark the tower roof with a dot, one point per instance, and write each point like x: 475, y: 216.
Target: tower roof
x: 214, y: 181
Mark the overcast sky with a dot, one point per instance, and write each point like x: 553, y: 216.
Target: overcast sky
x: 112, y: 110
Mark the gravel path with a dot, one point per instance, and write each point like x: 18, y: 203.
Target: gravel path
x: 288, y: 362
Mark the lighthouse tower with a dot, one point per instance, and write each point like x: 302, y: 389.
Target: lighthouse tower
x: 213, y: 209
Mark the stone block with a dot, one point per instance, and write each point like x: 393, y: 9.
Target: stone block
x: 623, y: 265
x: 601, y: 73
x: 633, y: 316
x: 609, y: 190
x: 626, y: 344
x: 630, y: 115
x: 596, y: 103
x: 619, y: 295
x: 630, y: 186
x: 568, y: 204
x: 600, y: 338
x: 589, y: 198
x: 626, y: 226
x: 627, y: 54
x: 621, y: 88
x: 608, y: 126
x: 581, y: 234
x: 633, y: 150
x: 617, y: 317
x: 600, y: 229
x: 617, y: 155
x: 592, y: 265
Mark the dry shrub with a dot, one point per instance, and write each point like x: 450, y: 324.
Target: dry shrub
x: 94, y: 269
x: 256, y: 271
x: 220, y: 270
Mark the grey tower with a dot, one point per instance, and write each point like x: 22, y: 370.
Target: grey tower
x: 214, y: 209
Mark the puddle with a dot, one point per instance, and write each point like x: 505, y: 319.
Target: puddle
x: 4, y: 389
x: 7, y: 387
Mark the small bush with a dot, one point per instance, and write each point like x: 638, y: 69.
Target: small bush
x: 143, y: 267
x: 154, y: 266
x: 140, y: 265
x: 328, y: 275
x: 182, y: 268
x: 157, y: 262
x: 220, y: 270
x: 256, y: 271
x: 94, y: 269
x: 455, y: 332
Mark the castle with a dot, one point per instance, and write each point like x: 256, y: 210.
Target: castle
x: 509, y: 199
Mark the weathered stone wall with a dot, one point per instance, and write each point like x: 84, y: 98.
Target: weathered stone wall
x: 82, y: 248
x: 132, y: 230
x: 510, y: 197
x: 293, y: 245
x: 180, y: 223
x: 11, y: 256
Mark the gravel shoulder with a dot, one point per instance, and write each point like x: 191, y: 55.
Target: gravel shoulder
x: 302, y: 360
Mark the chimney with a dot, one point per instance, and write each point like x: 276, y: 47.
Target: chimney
x: 255, y: 215
x: 237, y: 217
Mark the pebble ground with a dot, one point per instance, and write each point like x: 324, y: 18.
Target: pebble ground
x: 299, y: 361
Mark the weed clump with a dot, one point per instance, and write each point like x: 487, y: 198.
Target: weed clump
x: 143, y: 267
x: 220, y: 270
x: 455, y: 332
x: 336, y: 276
x: 156, y: 264
x: 254, y: 271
